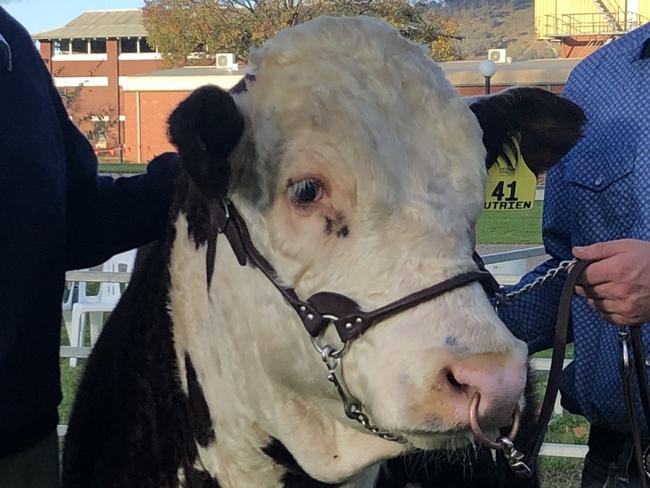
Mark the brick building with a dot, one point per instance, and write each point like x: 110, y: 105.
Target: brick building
x: 88, y: 59
x: 150, y: 98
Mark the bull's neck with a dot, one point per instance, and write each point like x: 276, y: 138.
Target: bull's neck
x: 236, y: 336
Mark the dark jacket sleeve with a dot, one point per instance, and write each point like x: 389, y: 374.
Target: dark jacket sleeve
x: 106, y: 216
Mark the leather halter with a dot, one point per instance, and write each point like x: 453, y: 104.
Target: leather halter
x: 325, y: 308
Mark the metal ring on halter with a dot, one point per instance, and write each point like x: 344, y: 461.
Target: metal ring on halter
x: 323, y: 348
x: 478, y: 433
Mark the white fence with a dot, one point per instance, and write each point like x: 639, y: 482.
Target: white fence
x: 507, y: 267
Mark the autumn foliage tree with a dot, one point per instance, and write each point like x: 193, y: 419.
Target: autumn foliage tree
x: 181, y: 27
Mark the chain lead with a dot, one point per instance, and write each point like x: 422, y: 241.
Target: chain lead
x: 352, y: 407
x: 504, y: 299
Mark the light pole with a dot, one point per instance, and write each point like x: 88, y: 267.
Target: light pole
x: 487, y: 68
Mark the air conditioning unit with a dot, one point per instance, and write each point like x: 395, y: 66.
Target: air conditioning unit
x: 497, y: 55
x: 227, y: 61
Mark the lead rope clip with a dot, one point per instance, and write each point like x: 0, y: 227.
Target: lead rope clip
x: 514, y: 458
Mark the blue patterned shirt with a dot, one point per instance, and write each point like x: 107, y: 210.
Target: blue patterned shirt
x: 599, y: 192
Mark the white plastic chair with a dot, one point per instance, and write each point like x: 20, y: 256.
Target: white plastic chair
x: 73, y: 291
x: 92, y: 308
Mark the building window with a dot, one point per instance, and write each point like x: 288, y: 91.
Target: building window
x: 62, y: 46
x: 128, y: 45
x: 79, y: 46
x: 98, y: 46
x: 99, y: 132
x: 100, y: 127
x: 144, y: 47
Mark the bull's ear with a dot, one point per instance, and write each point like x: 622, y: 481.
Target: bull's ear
x: 548, y: 125
x: 205, y: 128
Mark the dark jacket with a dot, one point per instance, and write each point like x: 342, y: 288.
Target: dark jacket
x: 56, y: 214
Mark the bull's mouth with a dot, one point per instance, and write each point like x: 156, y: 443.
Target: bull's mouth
x: 426, y: 440
x: 429, y: 436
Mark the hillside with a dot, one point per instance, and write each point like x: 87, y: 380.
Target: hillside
x: 491, y: 24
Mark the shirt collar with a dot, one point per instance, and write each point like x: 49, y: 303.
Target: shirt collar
x: 5, y: 54
x: 645, y: 50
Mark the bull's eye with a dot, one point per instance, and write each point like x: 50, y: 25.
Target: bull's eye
x: 305, y: 192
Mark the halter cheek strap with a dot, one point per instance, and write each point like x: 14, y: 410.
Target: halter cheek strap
x: 325, y: 308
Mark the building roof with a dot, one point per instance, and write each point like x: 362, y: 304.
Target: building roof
x: 532, y: 72
x: 187, y: 78
x: 99, y: 23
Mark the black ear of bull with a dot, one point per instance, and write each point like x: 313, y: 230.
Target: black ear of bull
x: 205, y: 128
x: 549, y: 125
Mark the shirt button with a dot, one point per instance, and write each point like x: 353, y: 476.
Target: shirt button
x: 598, y: 181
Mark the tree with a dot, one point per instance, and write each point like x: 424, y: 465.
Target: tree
x: 179, y: 28
x: 99, y: 124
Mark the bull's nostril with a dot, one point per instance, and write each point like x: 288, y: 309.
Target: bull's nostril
x: 453, y: 381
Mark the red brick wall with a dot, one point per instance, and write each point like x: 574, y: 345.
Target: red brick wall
x: 132, y: 67
x: 155, y: 108
x: 46, y: 53
x: 89, y: 101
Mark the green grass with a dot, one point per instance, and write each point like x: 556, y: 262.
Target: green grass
x: 566, y: 429
x: 511, y: 227
x: 121, y: 168
x: 70, y: 378
x: 560, y: 472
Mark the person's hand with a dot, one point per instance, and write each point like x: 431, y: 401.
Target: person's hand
x: 617, y: 283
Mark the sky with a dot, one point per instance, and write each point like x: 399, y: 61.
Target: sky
x: 41, y: 15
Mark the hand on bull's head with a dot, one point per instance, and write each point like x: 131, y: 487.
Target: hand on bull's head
x: 360, y: 172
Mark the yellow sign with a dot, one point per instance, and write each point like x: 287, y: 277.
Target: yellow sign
x: 511, y: 184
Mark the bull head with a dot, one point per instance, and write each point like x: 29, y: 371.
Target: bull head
x: 360, y: 172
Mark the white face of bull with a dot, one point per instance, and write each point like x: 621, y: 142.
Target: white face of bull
x: 372, y: 181
x: 361, y: 172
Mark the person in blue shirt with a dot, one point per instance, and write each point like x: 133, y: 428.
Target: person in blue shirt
x: 597, y: 207
x: 56, y: 214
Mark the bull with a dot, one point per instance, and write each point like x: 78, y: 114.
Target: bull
x: 344, y: 167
